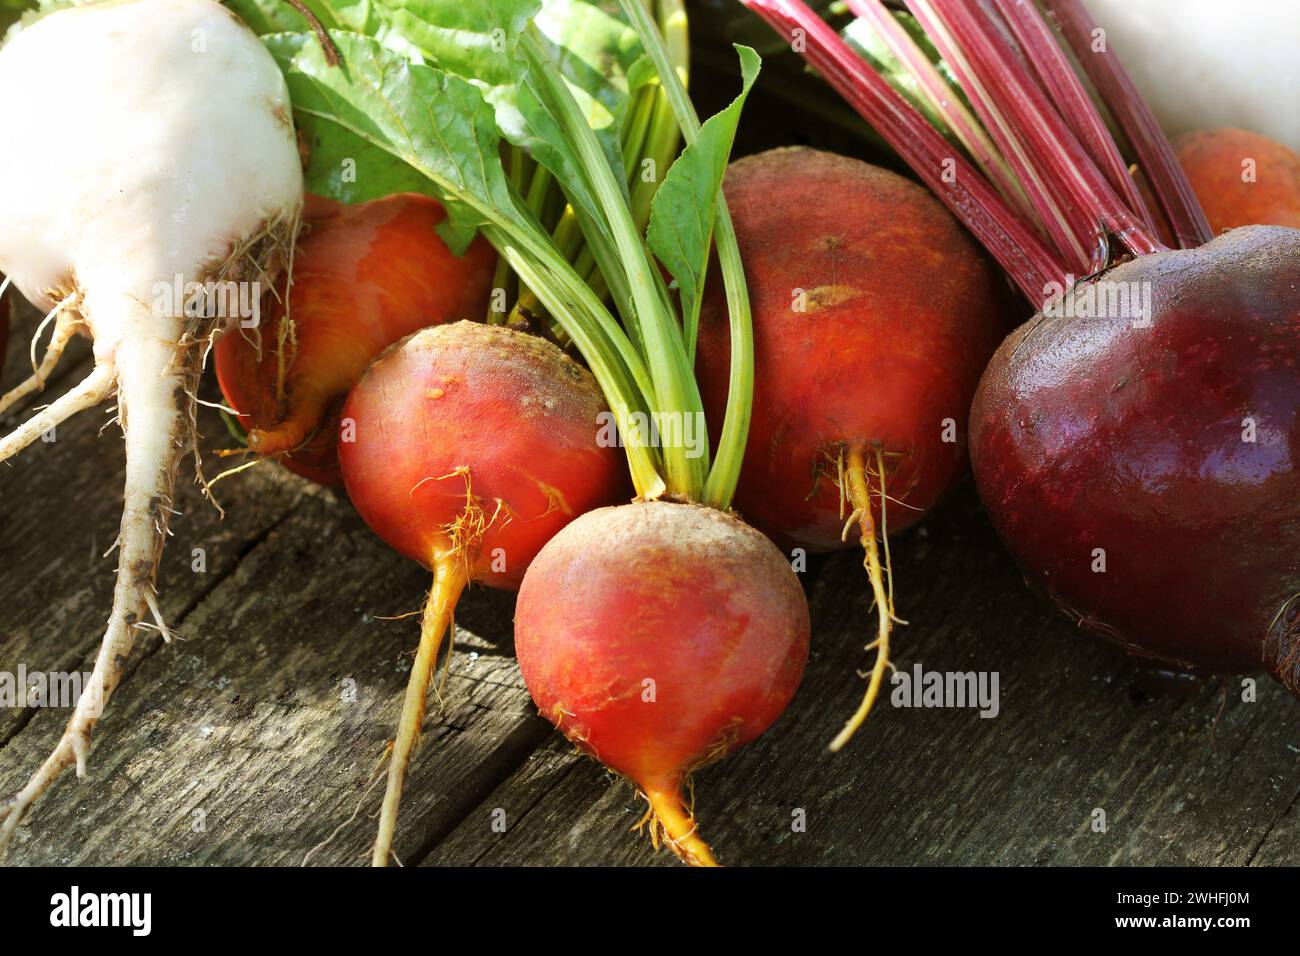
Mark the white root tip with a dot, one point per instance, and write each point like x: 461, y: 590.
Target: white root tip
x: 151, y: 599
x: 80, y: 743
x: 64, y: 328
x: 92, y: 390
x: 150, y: 384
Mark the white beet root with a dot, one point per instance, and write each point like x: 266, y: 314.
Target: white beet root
x: 175, y: 162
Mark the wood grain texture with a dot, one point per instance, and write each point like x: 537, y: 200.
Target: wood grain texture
x: 252, y: 740
x: 1079, y: 729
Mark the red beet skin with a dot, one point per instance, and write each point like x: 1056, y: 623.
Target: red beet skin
x: 1090, y: 433
x: 364, y: 276
x: 506, y: 410
x: 684, y: 596
x: 901, y: 311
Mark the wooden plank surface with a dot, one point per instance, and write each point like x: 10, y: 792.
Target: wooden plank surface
x: 1079, y: 729
x: 252, y: 739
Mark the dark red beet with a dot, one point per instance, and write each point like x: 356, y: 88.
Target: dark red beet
x: 1093, y: 434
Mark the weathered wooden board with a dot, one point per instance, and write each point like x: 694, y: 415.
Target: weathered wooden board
x: 251, y: 741
x: 1078, y: 730
x: 235, y: 744
x: 248, y: 744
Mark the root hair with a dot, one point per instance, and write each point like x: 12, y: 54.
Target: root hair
x: 855, y: 489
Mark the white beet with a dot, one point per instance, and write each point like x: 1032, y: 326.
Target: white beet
x: 149, y: 143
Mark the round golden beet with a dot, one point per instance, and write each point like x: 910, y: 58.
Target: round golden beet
x: 364, y: 276
x: 1242, y: 178
x: 874, y: 315
x: 659, y: 637
x: 466, y: 447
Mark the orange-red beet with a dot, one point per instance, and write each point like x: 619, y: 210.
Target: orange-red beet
x: 466, y: 447
x: 660, y: 637
x: 1242, y: 178
x: 874, y: 315
x: 364, y: 276
x: 508, y: 415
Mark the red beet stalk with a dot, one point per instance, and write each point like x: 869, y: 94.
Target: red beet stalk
x: 1054, y: 72
x: 1037, y: 113
x: 1008, y: 238
x: 971, y: 36
x: 1155, y: 154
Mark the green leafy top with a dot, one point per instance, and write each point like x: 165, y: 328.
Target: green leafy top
x: 681, y: 223
x: 430, y: 91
